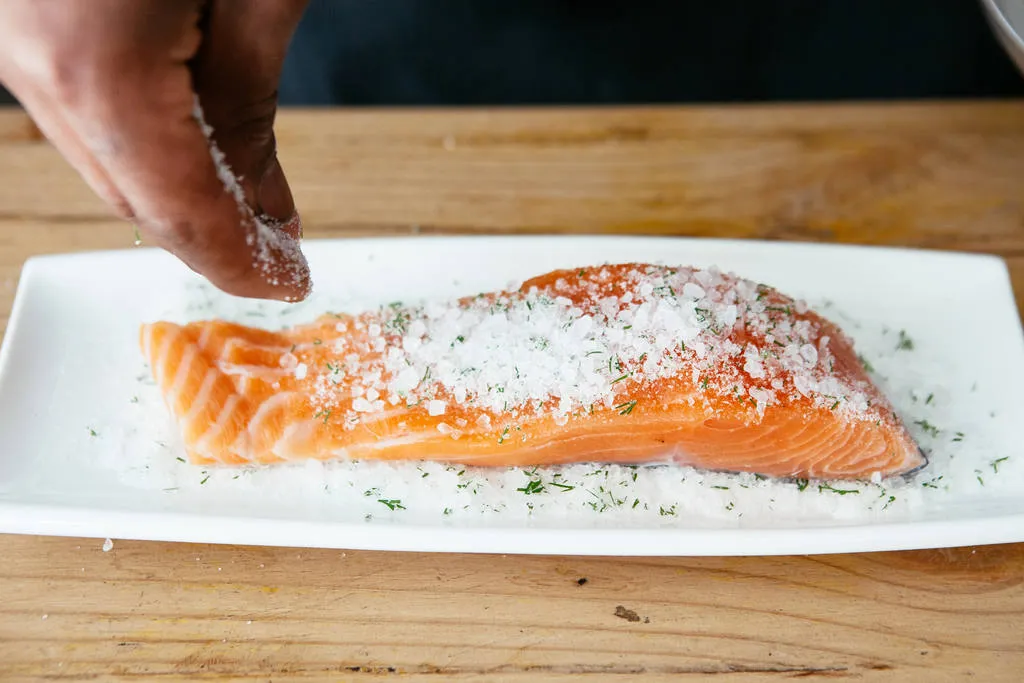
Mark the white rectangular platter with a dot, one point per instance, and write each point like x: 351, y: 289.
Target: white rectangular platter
x: 87, y: 448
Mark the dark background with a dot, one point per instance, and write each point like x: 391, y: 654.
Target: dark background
x: 495, y: 52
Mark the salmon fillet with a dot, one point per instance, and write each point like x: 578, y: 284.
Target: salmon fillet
x: 627, y: 363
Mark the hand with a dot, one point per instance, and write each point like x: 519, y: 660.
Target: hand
x: 116, y: 84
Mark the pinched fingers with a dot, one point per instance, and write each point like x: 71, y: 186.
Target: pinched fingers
x: 113, y: 84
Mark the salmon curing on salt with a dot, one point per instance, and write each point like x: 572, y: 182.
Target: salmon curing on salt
x: 628, y: 363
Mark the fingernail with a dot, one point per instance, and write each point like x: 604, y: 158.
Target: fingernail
x: 274, y: 197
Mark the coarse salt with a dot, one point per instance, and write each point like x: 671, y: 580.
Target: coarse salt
x: 590, y: 341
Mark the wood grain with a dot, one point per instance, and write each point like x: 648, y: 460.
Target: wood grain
x: 944, y: 176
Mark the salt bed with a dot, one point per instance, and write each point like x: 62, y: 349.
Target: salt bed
x: 141, y: 450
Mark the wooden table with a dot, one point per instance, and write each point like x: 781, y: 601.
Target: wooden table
x: 940, y: 176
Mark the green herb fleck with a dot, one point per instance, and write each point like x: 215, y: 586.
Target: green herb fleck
x: 667, y: 512
x: 447, y: 511
x: 180, y: 459
x: 959, y: 436
x: 205, y: 479
x: 721, y: 488
x: 93, y: 432
x: 534, y: 486
x: 841, y: 492
x: 867, y: 365
x: 995, y: 463
x: 905, y: 343
x: 391, y: 504
x: 626, y: 408
x: 801, y: 484
x: 928, y: 427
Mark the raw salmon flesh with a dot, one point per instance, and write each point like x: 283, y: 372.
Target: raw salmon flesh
x: 628, y: 363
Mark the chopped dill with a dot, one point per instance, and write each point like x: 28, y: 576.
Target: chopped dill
x: 842, y: 492
x: 928, y: 427
x: 995, y: 463
x: 533, y: 487
x: 391, y: 504
x: 905, y: 343
x: 180, y: 459
x: 801, y: 484
x: 626, y: 408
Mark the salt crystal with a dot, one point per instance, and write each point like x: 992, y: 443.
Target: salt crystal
x: 341, y: 327
x: 300, y: 371
x: 373, y: 330
x: 809, y: 353
x: 728, y: 315
x: 288, y: 361
x: 108, y: 545
x: 45, y: 617
x: 693, y: 291
x: 435, y: 408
